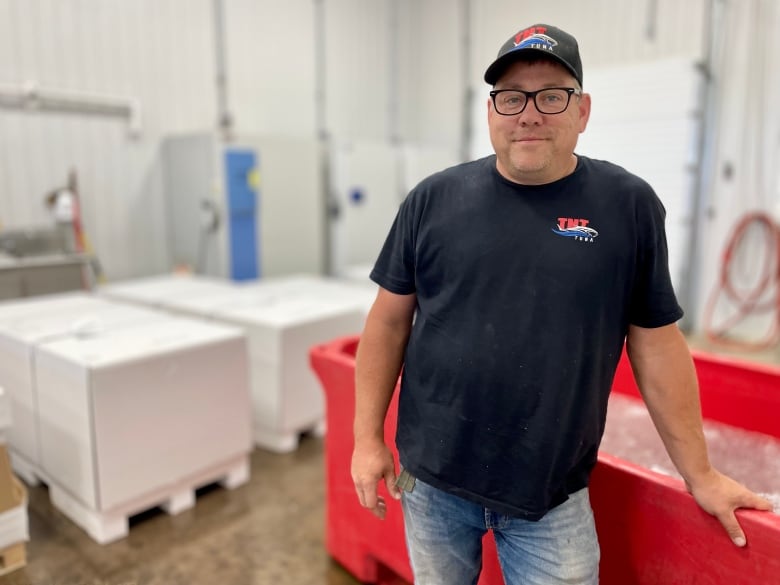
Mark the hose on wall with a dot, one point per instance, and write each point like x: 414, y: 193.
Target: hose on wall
x: 759, y: 297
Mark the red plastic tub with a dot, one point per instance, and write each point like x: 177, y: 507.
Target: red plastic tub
x: 651, y: 531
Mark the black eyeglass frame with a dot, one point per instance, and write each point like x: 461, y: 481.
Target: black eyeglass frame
x: 531, y: 96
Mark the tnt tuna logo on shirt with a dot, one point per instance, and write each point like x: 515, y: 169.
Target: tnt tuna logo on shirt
x: 578, y: 229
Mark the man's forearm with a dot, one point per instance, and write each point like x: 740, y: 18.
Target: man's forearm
x: 379, y: 360
x: 666, y: 376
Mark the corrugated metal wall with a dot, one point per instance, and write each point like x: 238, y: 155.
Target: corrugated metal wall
x: 152, y: 51
x: 271, y: 65
x: 393, y: 69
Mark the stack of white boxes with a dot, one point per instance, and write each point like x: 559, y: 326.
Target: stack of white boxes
x: 123, y: 408
x: 283, y: 318
x: 24, y: 326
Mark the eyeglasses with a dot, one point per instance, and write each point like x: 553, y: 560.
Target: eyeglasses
x: 551, y: 100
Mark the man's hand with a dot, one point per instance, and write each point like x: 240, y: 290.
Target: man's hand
x: 720, y: 496
x: 370, y: 464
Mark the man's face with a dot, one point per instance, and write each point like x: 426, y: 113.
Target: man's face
x: 534, y: 148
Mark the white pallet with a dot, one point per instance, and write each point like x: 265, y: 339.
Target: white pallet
x: 286, y: 440
x: 112, y: 525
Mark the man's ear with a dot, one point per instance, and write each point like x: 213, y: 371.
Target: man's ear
x: 583, y: 106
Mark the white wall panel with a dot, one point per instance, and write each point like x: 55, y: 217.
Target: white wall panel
x: 367, y: 186
x: 357, y: 68
x: 638, y: 123
x: 271, y: 73
x: 431, y: 54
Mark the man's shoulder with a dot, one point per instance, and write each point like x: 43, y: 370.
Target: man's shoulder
x: 458, y: 175
x: 612, y: 173
x: 610, y: 180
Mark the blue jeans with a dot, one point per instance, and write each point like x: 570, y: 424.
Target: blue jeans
x: 444, y: 538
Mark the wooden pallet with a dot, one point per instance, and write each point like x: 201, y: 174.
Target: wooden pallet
x: 12, y: 557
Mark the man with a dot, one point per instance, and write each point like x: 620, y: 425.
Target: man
x: 508, y: 287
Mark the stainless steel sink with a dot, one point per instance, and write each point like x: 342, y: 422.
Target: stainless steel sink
x: 38, y: 261
x: 23, y: 243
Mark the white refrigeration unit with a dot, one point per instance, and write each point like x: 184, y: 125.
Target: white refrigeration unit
x: 369, y: 180
x: 247, y: 208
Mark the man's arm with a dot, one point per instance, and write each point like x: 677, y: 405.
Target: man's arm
x: 666, y: 377
x: 380, y: 356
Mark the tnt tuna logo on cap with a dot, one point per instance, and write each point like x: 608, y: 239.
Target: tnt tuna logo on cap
x: 542, y: 39
x: 537, y: 41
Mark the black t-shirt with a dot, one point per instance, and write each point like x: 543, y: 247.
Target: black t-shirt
x: 524, y: 298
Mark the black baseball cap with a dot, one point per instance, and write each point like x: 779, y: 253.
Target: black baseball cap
x: 539, y: 39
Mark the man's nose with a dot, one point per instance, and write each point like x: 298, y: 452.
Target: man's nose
x: 530, y: 115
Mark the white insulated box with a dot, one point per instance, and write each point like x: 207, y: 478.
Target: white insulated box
x: 204, y: 305
x: 286, y: 396
x: 283, y: 317
x: 26, y: 324
x: 162, y: 290
x: 12, y: 310
x: 359, y: 294
x: 270, y: 292
x: 135, y: 417
x: 16, y: 363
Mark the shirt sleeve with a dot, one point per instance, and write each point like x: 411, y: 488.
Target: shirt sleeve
x: 394, y: 269
x: 653, y: 300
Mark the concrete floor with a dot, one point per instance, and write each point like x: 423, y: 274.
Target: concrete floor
x: 267, y: 532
